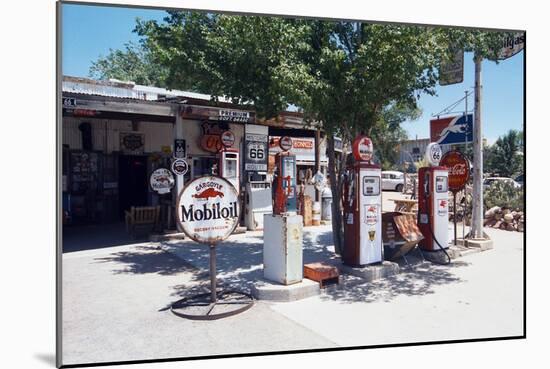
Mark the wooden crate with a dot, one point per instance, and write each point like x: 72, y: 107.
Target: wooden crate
x: 322, y: 273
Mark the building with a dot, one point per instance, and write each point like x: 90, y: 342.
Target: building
x: 115, y: 134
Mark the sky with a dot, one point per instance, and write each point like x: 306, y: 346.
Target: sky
x: 88, y: 32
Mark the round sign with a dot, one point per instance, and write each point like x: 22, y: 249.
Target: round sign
x: 285, y: 143
x: 179, y: 167
x: 228, y: 138
x: 433, y: 154
x: 162, y: 180
x: 459, y: 169
x: 362, y: 148
x: 208, y: 209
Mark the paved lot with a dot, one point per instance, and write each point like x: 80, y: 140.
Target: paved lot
x: 115, y: 301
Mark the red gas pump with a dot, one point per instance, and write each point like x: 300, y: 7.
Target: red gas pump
x: 433, y: 202
x: 285, y: 180
x: 362, y: 200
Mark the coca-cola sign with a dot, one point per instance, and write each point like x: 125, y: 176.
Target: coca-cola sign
x: 208, y: 209
x: 459, y: 169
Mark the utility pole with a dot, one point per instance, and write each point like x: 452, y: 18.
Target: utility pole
x: 476, y: 232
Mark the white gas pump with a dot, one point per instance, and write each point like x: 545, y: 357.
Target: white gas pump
x: 229, y: 166
x: 258, y: 202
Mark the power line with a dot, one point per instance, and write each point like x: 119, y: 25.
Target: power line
x: 449, y: 109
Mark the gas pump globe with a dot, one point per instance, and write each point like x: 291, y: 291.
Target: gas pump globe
x: 362, y: 199
x: 433, y: 202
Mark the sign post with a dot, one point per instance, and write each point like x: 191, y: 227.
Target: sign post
x: 459, y: 174
x: 208, y: 211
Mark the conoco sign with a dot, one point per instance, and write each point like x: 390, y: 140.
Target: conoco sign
x: 362, y: 148
x: 459, y: 169
x: 208, y: 209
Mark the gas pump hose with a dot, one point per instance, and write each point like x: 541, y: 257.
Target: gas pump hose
x: 438, y: 244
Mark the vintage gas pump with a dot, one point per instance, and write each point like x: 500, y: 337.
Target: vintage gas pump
x: 285, y: 180
x: 362, y: 200
x: 433, y: 202
x: 229, y: 166
x: 283, y: 259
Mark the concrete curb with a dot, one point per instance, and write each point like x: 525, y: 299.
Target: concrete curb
x: 267, y: 290
x: 372, y: 272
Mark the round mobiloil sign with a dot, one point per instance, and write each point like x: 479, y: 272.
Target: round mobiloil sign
x: 208, y: 209
x: 433, y: 154
x: 362, y: 148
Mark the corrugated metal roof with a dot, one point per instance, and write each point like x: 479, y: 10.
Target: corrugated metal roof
x: 129, y: 90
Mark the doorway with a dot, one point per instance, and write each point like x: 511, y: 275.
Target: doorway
x: 132, y: 182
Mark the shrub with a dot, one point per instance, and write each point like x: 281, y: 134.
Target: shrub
x: 504, y: 195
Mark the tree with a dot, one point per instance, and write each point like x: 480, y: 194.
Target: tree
x: 343, y: 75
x: 388, y: 133
x: 133, y: 63
x: 507, y: 158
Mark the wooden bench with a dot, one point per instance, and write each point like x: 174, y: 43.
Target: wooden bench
x: 142, y: 217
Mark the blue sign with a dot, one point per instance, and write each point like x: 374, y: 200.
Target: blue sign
x: 452, y: 130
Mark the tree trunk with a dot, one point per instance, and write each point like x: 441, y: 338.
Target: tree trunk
x: 335, y: 187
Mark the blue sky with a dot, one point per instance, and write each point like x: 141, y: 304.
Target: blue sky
x: 90, y: 31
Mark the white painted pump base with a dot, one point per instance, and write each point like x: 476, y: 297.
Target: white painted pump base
x: 283, y: 253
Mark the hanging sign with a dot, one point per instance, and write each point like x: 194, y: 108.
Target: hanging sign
x: 180, y: 150
x: 512, y: 45
x: 433, y: 154
x: 162, y: 181
x: 132, y: 143
x: 451, y: 70
x: 459, y: 169
x: 362, y: 148
x: 208, y: 209
x: 227, y: 138
x: 179, y: 167
x: 233, y: 116
x: 256, y: 151
x: 452, y: 130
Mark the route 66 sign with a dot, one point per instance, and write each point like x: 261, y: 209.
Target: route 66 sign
x: 433, y: 154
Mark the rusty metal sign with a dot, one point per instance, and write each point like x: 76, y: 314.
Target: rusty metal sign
x: 459, y: 169
x: 208, y: 209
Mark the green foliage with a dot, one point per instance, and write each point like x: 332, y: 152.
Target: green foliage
x: 506, y: 157
x: 247, y: 59
x: 387, y: 133
x: 134, y: 63
x: 503, y: 194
